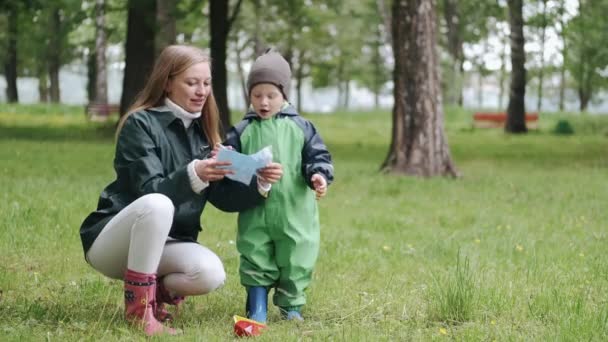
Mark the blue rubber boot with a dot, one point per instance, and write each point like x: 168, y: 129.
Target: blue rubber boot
x: 291, y: 313
x: 257, y: 303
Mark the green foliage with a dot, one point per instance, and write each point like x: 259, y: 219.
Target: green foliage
x: 586, y: 51
x: 563, y: 127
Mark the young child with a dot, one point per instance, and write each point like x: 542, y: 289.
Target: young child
x: 279, y: 240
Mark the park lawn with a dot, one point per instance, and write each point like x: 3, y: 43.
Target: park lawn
x: 513, y: 250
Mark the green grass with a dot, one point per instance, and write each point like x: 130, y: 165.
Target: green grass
x: 513, y: 250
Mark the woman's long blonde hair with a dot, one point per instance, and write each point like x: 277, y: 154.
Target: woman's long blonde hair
x: 173, y: 60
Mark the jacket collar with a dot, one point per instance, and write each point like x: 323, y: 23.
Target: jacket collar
x: 288, y: 110
x: 166, y: 117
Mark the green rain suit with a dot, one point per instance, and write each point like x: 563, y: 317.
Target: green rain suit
x: 279, y: 240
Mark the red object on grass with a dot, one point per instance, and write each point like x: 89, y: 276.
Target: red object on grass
x: 247, y: 327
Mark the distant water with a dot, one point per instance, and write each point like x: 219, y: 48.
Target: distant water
x: 73, y: 84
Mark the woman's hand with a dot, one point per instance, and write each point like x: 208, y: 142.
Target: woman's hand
x: 320, y: 185
x: 216, y: 150
x: 271, y: 173
x: 210, y: 170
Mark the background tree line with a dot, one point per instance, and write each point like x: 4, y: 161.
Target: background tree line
x: 329, y: 42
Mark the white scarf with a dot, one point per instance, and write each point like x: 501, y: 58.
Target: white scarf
x: 181, y: 113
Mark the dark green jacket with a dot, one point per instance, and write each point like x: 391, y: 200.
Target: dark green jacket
x: 152, y: 154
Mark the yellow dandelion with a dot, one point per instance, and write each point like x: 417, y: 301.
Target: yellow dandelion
x: 493, y: 322
x: 581, y: 255
x: 443, y: 331
x: 386, y: 248
x: 477, y: 241
x: 519, y: 248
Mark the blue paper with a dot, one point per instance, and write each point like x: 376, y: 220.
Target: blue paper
x: 244, y: 166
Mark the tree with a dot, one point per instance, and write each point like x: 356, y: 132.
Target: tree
x: 12, y: 9
x: 165, y: 16
x: 101, y: 78
x: 516, y: 112
x: 220, y: 24
x: 418, y: 145
x: 587, y: 54
x: 139, y: 49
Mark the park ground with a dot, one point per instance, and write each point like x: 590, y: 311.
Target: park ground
x: 515, y: 249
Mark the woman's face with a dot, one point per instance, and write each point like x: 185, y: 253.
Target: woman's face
x: 191, y: 88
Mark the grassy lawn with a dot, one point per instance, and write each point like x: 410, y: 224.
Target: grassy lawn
x: 513, y: 250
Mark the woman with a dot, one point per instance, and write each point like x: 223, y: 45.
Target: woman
x: 147, y: 221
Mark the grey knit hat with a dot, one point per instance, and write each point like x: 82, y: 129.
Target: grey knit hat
x: 272, y: 68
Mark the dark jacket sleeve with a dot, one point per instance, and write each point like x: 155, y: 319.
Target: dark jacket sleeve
x: 231, y: 196
x: 315, y: 156
x: 138, y: 164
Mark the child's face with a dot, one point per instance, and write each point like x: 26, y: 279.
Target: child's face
x: 266, y: 99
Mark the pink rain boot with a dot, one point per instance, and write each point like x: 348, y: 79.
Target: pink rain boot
x: 140, y: 293
x: 164, y: 297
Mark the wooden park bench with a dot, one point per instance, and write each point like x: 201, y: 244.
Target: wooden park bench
x: 100, y: 111
x: 498, y: 120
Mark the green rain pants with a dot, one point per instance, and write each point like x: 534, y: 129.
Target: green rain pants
x: 279, y: 240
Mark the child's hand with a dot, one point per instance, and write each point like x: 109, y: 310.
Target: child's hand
x: 320, y: 184
x: 271, y: 173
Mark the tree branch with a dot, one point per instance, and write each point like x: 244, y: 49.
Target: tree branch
x: 235, y: 13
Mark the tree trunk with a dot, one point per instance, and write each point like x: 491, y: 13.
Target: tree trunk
x: 455, y: 48
x: 516, y: 112
x: 562, y: 34
x: 542, y: 57
x: 386, y: 21
x: 101, y: 77
x: 219, y: 25
x: 139, y: 49
x: 259, y: 47
x: 242, y: 78
x: 346, y: 98
x: 43, y: 88
x: 10, y: 65
x: 300, y: 79
x: 165, y: 17
x: 55, y: 55
x: 418, y: 145
x: 503, y: 72
x: 91, y: 76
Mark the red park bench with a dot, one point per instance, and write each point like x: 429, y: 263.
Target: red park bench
x: 498, y: 119
x: 100, y: 111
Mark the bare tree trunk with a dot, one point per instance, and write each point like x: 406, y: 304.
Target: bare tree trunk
x: 300, y: 78
x: 516, y: 112
x: 43, y: 88
x: 91, y: 75
x: 139, y: 49
x: 219, y: 25
x: 55, y: 55
x: 101, y: 77
x: 242, y: 78
x: 562, y: 33
x: 501, y: 80
x: 542, y: 57
x: 259, y: 47
x: 455, y: 47
x: 346, y: 93
x: 10, y: 65
x: 165, y: 18
x: 386, y: 21
x: 418, y: 146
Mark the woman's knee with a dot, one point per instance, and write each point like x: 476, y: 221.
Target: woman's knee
x: 157, y: 204
x: 208, y: 275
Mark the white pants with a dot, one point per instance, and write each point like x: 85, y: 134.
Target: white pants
x: 137, y: 239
